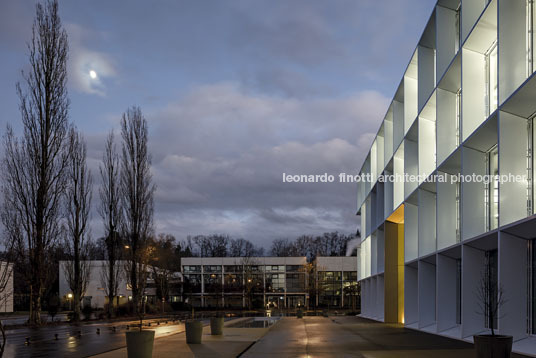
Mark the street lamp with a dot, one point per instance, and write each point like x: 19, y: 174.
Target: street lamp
x: 70, y: 297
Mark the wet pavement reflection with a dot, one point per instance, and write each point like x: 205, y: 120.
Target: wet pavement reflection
x: 75, y: 341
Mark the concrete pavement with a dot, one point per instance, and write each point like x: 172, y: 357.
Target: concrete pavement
x: 353, y: 337
x: 233, y: 342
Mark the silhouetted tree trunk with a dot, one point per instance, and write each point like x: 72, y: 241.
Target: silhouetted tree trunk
x: 12, y: 233
x: 137, y: 191
x: 78, y: 205
x: 110, y: 211
x: 34, y: 167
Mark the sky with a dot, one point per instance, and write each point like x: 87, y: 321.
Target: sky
x: 235, y: 93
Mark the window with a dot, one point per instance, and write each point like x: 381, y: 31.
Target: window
x: 492, y: 189
x: 458, y: 116
x: 192, y: 283
x: 232, y: 268
x: 531, y: 10
x: 275, y: 282
x: 491, y: 79
x: 233, y: 282
x: 292, y: 268
x: 330, y: 283
x: 258, y: 268
x: 276, y: 268
x: 458, y: 29
x: 295, y: 282
x: 349, y: 276
x: 192, y: 268
x: 212, y: 283
x: 212, y: 268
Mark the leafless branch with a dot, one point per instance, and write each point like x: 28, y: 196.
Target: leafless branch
x: 34, y: 166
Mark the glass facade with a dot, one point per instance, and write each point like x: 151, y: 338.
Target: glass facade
x: 212, y: 283
x: 193, y: 268
x: 295, y: 282
x: 192, y: 283
x: 247, y: 285
x: 275, y: 282
x: 233, y: 282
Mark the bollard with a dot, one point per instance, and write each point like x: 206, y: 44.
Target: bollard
x: 158, y: 323
x: 149, y: 324
x: 113, y: 328
x: 27, y: 342
x: 98, y: 330
x: 56, y: 336
x: 128, y: 327
x: 79, y: 334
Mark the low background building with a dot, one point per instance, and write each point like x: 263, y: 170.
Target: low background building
x: 95, y: 295
x: 240, y: 282
x: 6, y: 296
x: 337, y: 282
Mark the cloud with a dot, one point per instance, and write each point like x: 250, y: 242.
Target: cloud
x: 83, y: 61
x: 219, y: 154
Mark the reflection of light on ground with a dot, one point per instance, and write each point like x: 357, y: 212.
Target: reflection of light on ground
x: 167, y: 330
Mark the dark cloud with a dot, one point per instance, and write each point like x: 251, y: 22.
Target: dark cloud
x: 236, y: 93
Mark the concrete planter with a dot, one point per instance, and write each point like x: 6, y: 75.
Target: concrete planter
x: 194, y: 332
x: 140, y: 344
x: 488, y: 346
x: 299, y: 314
x: 216, y: 326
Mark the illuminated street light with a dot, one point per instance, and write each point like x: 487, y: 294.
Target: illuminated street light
x: 70, y: 299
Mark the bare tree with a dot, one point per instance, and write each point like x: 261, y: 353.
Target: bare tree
x: 78, y: 205
x: 212, y: 245
x: 164, y: 264
x: 489, y: 294
x: 12, y: 233
x: 137, y: 191
x: 243, y: 248
x: 110, y: 211
x: 35, y: 165
x: 253, y: 282
x: 280, y: 247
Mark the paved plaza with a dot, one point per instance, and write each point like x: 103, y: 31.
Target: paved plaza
x: 314, y: 337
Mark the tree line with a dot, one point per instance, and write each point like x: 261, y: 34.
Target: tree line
x: 310, y: 246
x: 327, y: 244
x: 47, y: 185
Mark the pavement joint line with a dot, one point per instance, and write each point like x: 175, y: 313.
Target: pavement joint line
x: 124, y: 346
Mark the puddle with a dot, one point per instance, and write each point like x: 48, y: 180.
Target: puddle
x: 254, y: 322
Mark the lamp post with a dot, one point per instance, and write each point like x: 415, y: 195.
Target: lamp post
x: 70, y: 298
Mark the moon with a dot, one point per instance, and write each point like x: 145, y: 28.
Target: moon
x: 92, y: 74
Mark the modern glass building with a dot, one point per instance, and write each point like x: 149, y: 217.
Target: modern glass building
x: 336, y: 282
x: 239, y: 282
x: 462, y: 113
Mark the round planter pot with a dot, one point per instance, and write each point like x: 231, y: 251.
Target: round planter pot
x: 216, y: 326
x: 140, y: 344
x: 488, y: 346
x: 299, y: 314
x: 194, y: 332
